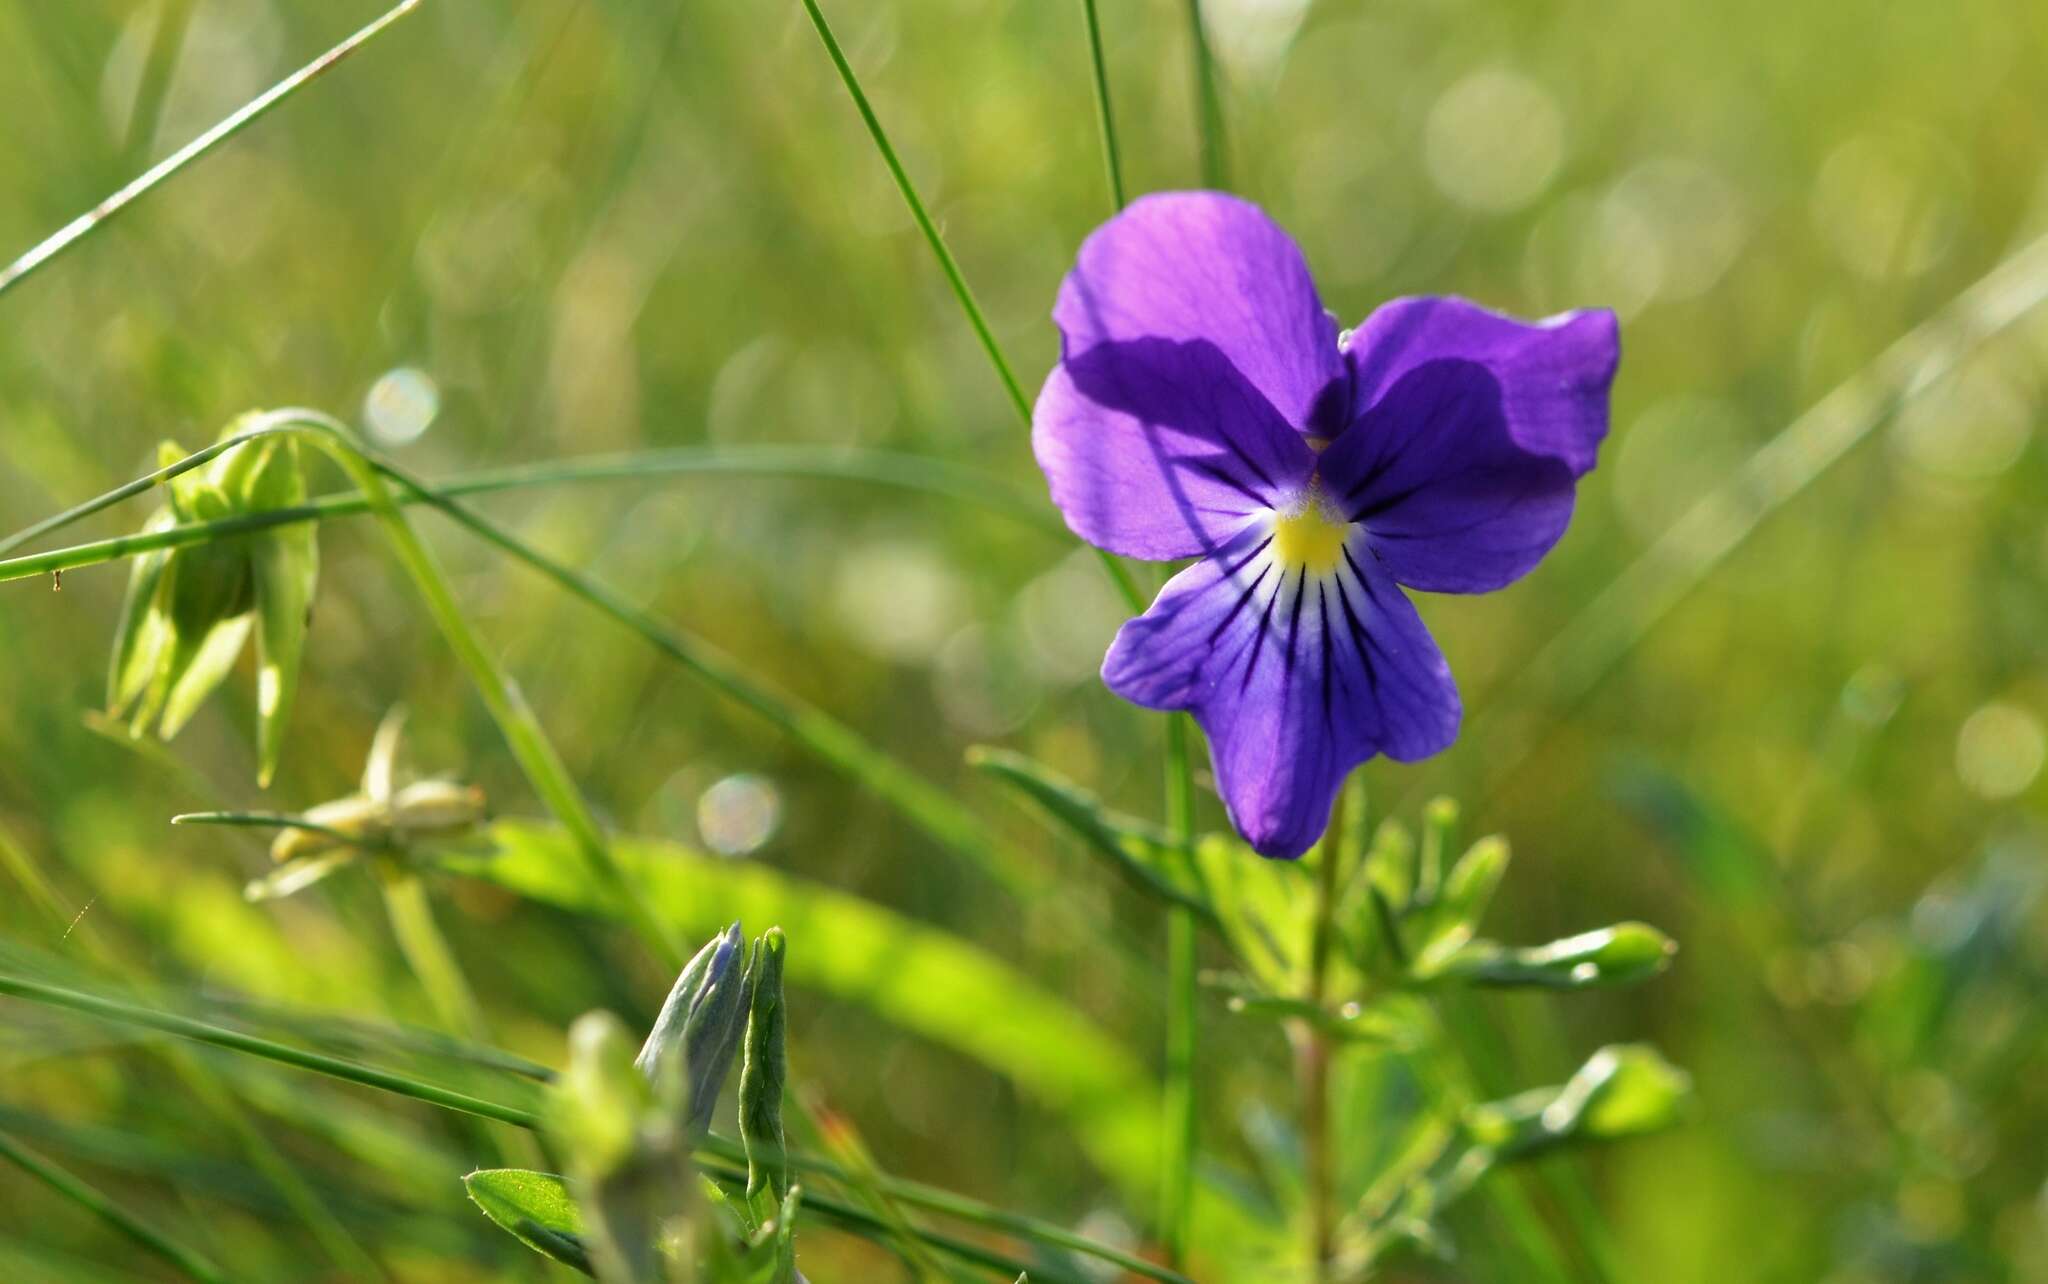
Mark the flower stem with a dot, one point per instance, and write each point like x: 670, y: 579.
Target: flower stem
x: 1313, y: 1049
x: 1178, y: 1153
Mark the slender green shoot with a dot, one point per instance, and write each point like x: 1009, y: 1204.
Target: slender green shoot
x: 250, y: 112
x: 78, y: 1192
x: 1176, y: 1197
x: 882, y: 468
x: 278, y: 820
x: 1112, y: 161
x: 947, y: 263
x: 1118, y: 573
x: 1208, y: 103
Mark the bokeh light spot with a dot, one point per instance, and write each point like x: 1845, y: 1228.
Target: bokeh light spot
x: 739, y: 814
x: 1494, y: 141
x: 1999, y: 750
x: 401, y: 405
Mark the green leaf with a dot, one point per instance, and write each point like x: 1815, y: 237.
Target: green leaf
x: 536, y: 1208
x: 1141, y: 853
x: 1623, y: 1090
x: 1617, y: 955
x: 1267, y: 908
x: 1462, y: 901
x: 924, y: 980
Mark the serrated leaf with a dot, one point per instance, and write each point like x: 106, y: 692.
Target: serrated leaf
x: 536, y: 1208
x: 1139, y: 852
x: 1617, y: 955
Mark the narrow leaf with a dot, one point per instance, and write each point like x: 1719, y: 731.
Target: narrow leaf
x: 1616, y: 955
x: 763, y: 1076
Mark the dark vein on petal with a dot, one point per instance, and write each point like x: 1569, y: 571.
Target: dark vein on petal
x: 1294, y: 619
x: 1259, y: 644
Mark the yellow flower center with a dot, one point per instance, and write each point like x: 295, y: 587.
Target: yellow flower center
x: 1310, y: 535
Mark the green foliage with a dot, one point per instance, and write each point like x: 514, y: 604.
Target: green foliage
x: 923, y: 980
x: 535, y: 1207
x: 188, y: 612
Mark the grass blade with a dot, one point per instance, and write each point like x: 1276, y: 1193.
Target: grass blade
x: 1112, y: 161
x: 78, y: 1192
x: 882, y: 468
x: 1208, y: 103
x: 99, y: 215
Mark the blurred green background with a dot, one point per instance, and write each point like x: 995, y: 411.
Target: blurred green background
x: 510, y: 231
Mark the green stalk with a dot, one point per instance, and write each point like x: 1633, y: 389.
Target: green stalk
x: 1112, y: 162
x: 1118, y: 573
x: 1314, y: 1050
x: 106, y: 1009
x: 885, y: 468
x: 255, y: 109
x: 516, y: 721
x: 86, y: 1197
x: 1176, y: 1198
x: 1208, y: 103
x: 164, y: 44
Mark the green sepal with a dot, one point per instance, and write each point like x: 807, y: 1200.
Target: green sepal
x: 763, y: 1075
x: 285, y: 563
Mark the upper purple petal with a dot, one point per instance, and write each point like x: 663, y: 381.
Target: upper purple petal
x: 1450, y: 502
x: 1553, y: 375
x: 1295, y: 677
x: 1161, y: 449
x: 1207, y: 267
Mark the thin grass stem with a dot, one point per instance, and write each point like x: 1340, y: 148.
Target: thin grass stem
x: 1180, y: 1103
x: 85, y: 1196
x: 1208, y: 103
x: 907, y: 472
x: 1105, y: 118
x: 249, y: 113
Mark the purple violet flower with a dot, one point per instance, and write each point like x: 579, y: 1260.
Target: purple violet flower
x: 1205, y: 405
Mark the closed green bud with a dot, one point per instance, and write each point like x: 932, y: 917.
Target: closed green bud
x: 702, y: 1022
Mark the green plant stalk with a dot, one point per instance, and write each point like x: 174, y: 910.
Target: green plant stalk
x: 930, y: 808
x: 86, y: 1197
x: 879, y: 467
x: 205, y: 1084
x: 1112, y: 162
x: 1314, y: 1049
x: 1176, y: 1196
x: 1118, y: 573
x: 440, y: 975
x: 516, y: 721
x: 911, y: 1193
x: 1208, y: 103
x: 99, y: 215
